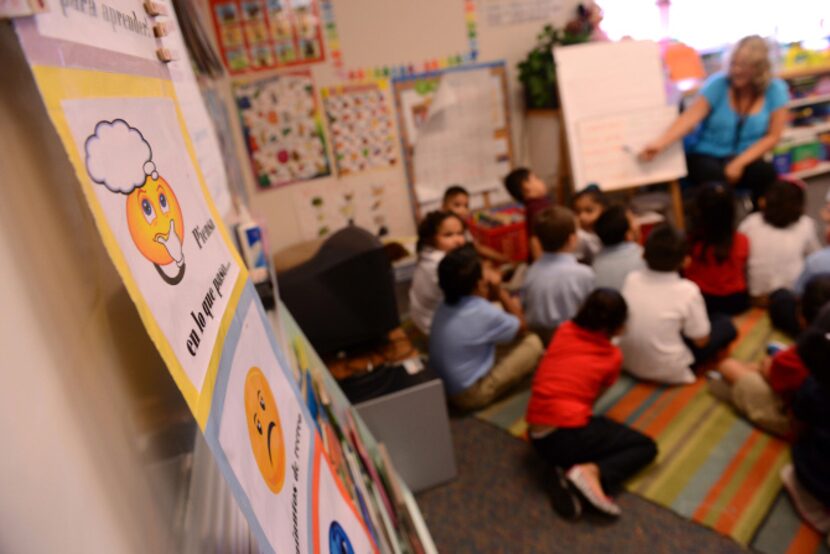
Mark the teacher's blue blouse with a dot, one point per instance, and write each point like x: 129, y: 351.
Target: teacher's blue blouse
x: 719, y: 133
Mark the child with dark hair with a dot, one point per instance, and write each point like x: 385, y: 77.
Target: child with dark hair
x: 808, y: 478
x: 589, y: 454
x: 665, y: 309
x: 588, y: 204
x: 466, y: 329
x: 783, y: 303
x: 718, y: 253
x: 619, y: 255
x: 780, y: 237
x: 555, y: 284
x: 527, y: 189
x: 762, y: 391
x: 438, y: 233
x: 457, y: 200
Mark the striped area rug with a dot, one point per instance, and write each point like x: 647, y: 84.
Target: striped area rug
x: 713, y: 467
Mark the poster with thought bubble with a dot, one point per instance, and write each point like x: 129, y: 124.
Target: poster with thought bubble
x: 148, y: 191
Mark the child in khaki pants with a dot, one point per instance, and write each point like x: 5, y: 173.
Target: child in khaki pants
x: 467, y: 328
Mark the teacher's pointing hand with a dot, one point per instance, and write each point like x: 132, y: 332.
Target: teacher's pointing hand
x: 649, y: 152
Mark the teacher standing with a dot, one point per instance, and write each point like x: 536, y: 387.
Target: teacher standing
x: 739, y: 116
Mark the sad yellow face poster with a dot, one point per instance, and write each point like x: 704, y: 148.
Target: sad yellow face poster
x: 119, y: 115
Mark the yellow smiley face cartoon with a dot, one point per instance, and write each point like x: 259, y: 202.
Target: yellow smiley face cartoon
x: 264, y: 429
x: 154, y: 219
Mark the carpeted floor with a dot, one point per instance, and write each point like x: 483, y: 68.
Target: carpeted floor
x: 498, y: 504
x: 713, y: 467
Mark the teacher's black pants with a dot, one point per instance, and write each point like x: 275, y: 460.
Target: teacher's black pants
x: 618, y: 450
x: 756, y: 178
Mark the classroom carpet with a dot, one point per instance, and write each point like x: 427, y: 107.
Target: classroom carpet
x: 713, y: 467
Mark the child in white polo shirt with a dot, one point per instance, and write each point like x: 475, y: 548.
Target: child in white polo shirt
x: 668, y: 330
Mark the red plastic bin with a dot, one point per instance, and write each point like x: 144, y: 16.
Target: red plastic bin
x: 509, y: 239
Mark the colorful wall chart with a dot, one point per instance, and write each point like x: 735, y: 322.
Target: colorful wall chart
x: 282, y: 128
x: 361, y: 127
x: 256, y: 35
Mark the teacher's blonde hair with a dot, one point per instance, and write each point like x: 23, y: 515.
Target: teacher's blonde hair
x: 755, y: 50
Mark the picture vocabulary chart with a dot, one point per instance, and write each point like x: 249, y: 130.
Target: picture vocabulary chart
x: 282, y: 128
x: 256, y: 35
x: 361, y: 127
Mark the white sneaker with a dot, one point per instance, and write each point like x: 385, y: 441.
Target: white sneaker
x: 591, y: 492
x: 811, y: 509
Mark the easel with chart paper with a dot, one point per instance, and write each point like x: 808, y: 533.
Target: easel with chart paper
x: 613, y: 103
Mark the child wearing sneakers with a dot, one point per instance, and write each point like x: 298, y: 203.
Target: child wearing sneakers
x: 665, y: 309
x: 556, y: 284
x: 808, y: 478
x: 590, y: 454
x: 467, y: 328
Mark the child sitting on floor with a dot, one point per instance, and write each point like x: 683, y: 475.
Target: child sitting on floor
x: 664, y: 309
x: 783, y: 302
x: 590, y: 454
x: 588, y: 204
x: 808, y: 478
x: 457, y: 201
x: 530, y: 191
x: 718, y: 253
x: 438, y: 233
x: 619, y: 255
x: 556, y: 284
x: 763, y: 391
x: 466, y: 329
x: 781, y: 236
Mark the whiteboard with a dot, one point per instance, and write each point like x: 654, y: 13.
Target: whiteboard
x: 455, y: 129
x: 613, y: 100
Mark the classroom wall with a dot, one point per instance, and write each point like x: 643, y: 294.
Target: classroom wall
x: 276, y: 207
x: 82, y: 388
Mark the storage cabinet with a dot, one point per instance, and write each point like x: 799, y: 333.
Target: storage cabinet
x: 804, y: 150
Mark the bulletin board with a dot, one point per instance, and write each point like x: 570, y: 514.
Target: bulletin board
x: 455, y: 129
x: 613, y: 103
x: 283, y: 129
x: 256, y: 35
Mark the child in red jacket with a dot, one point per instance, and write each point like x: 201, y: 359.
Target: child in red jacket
x: 590, y: 454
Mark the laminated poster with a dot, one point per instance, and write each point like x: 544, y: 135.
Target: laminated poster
x: 262, y: 435
x: 117, y: 111
x: 282, y: 128
x: 361, y: 127
x: 255, y: 35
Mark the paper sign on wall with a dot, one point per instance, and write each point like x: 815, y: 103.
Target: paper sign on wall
x: 148, y: 191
